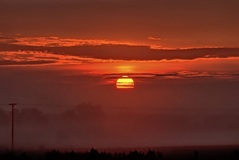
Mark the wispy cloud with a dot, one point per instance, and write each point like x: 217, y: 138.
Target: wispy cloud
x: 66, y: 42
x: 176, y: 75
x: 39, y: 58
x: 7, y: 40
x: 154, y: 38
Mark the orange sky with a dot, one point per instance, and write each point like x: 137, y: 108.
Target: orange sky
x: 60, y: 61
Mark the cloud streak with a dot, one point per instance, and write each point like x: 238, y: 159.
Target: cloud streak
x: 66, y: 42
x: 39, y: 58
x: 154, y: 38
x: 110, y: 50
x: 111, y: 78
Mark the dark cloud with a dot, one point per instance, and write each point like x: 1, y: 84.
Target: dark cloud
x: 127, y: 52
x: 25, y: 63
x: 120, y: 52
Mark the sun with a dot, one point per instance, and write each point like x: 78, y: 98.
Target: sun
x: 124, y: 82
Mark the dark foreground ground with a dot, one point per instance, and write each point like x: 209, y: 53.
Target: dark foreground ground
x: 162, y: 153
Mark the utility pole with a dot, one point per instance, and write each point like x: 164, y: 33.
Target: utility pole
x: 12, y: 105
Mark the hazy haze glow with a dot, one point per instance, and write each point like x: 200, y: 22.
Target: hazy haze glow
x: 63, y: 62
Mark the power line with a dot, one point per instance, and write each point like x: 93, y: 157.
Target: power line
x: 12, y: 105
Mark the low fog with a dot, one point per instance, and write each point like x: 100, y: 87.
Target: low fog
x: 88, y: 125
x: 68, y: 110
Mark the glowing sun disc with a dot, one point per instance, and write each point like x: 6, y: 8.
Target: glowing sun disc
x: 124, y: 82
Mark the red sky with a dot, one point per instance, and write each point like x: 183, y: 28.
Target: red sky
x: 59, y: 60
x: 171, y: 23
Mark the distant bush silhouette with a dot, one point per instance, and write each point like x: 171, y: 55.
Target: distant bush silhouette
x: 236, y: 155
x: 94, y: 154
x: 195, y: 155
